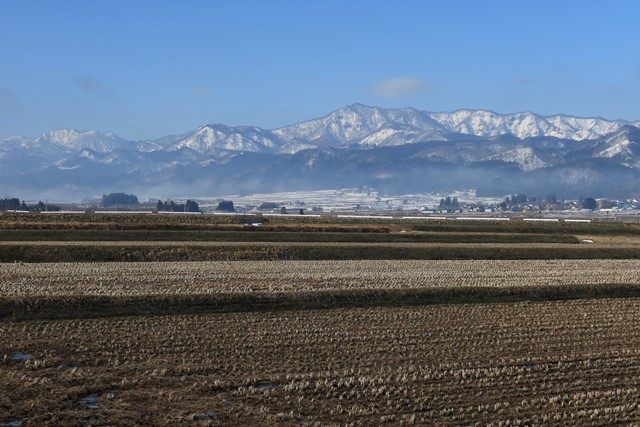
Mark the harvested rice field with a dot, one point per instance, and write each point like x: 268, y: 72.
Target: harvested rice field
x: 570, y: 362
x: 156, y: 321
x: 184, y: 278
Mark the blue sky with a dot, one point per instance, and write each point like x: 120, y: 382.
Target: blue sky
x: 145, y: 69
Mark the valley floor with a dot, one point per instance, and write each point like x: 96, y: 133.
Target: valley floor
x: 336, y: 338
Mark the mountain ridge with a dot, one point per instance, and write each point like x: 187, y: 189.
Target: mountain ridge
x: 392, y: 148
x: 432, y: 124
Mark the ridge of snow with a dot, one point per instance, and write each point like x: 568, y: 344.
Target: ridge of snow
x: 524, y: 157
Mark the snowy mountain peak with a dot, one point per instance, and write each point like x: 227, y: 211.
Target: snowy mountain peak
x: 354, y: 145
x: 212, y: 138
x: 343, y: 126
x: 363, y: 124
x: 355, y: 124
x: 77, y: 140
x: 64, y: 136
x: 623, y: 144
x: 373, y: 126
x: 525, y: 124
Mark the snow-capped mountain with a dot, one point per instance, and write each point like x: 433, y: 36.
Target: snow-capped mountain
x: 525, y: 157
x: 623, y: 145
x: 525, y: 125
x: 373, y: 126
x: 76, y: 141
x: 370, y: 126
x: 393, y: 149
x: 215, y: 137
x: 356, y: 124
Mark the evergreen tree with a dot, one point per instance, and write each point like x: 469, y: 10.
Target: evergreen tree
x: 590, y: 203
x: 114, y: 199
x: 226, y: 206
x: 9, y: 204
x: 191, y: 206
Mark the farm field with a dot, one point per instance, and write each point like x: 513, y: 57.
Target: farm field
x: 109, y: 320
x: 280, y: 236
x: 170, y: 278
x: 66, y: 290
x: 571, y: 363
x: 69, y: 251
x: 10, y: 221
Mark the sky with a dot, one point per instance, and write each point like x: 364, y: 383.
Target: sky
x: 146, y: 69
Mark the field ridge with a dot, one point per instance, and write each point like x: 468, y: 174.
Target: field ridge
x: 252, y: 251
x: 90, y: 306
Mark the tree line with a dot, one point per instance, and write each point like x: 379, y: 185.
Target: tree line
x: 171, y: 206
x: 114, y: 199
x: 449, y: 203
x: 14, y: 204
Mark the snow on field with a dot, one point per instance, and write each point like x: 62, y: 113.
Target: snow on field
x: 351, y: 199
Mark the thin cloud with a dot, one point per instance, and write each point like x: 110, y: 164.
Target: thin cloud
x: 90, y: 85
x: 525, y: 81
x: 563, y: 72
x: 398, y: 86
x: 9, y: 104
x: 202, y: 91
x: 613, y: 88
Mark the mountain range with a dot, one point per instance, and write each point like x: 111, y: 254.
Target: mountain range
x: 395, y: 150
